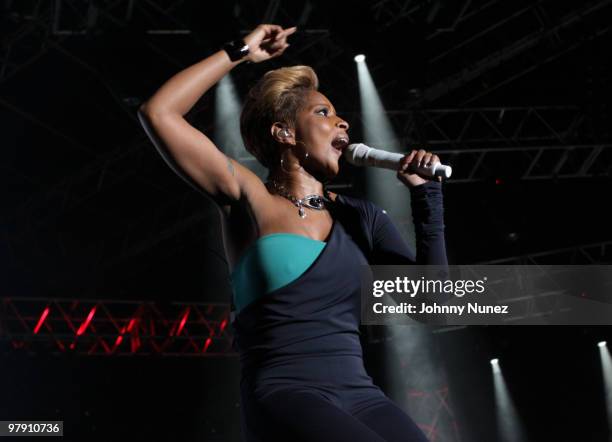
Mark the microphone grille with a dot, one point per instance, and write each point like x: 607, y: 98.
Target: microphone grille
x: 356, y: 153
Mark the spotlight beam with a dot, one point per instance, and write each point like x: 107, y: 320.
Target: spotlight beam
x: 508, y: 423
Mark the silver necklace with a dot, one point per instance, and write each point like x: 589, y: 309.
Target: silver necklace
x: 312, y: 201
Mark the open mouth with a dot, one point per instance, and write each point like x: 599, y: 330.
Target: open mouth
x: 340, y: 143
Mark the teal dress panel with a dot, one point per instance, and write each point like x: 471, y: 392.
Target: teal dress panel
x: 270, y: 263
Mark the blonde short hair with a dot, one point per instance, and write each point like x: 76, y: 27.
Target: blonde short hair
x: 277, y: 96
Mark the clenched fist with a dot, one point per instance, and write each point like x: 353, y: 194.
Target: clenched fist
x: 414, y: 159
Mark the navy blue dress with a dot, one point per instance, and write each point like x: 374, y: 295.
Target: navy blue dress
x: 302, y: 372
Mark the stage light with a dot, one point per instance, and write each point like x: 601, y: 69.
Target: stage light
x: 509, y: 424
x: 606, y: 371
x: 415, y: 344
x: 227, y: 126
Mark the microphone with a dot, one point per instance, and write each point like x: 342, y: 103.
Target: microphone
x: 361, y: 155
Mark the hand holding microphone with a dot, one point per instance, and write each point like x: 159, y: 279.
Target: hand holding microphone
x: 410, y: 167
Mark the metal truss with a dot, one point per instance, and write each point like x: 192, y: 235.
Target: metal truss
x: 527, y: 45
x: 40, y: 25
x: 534, y: 306
x: 541, y: 31
x: 25, y: 41
x: 250, y: 13
x: 389, y: 12
x: 526, y: 142
x: 527, y: 302
x: 594, y: 253
x: 503, y: 126
x: 536, y: 162
x: 309, y: 43
x: 527, y: 163
x: 29, y: 37
x: 73, y: 17
x: 317, y: 46
x: 535, y: 8
x: 115, y: 328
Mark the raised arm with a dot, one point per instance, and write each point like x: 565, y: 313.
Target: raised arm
x: 189, y: 152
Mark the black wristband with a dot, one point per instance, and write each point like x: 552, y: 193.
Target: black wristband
x: 236, y: 49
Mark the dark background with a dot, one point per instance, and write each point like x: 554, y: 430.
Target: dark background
x: 90, y: 211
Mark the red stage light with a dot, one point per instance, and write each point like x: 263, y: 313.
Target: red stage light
x: 41, y: 320
x: 84, y: 325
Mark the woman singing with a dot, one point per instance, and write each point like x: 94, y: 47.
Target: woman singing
x: 296, y: 281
